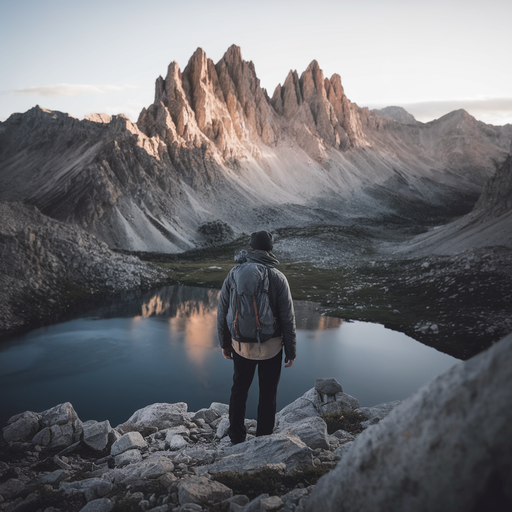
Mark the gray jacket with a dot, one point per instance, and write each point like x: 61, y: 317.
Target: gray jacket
x: 279, y: 296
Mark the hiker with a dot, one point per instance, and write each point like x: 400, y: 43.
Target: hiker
x: 255, y: 320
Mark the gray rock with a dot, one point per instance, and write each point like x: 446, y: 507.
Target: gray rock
x: 62, y: 435
x: 152, y: 468
x: 202, y: 491
x: 97, y: 435
x: 342, y: 402
x: 127, y: 442
x: 22, y: 427
x: 12, y: 488
x: 446, y: 448
x: 328, y: 386
x: 304, y: 407
x: 282, y: 449
x: 99, y: 505
x: 91, y: 488
x: 177, y: 443
x: 342, y: 450
x: 294, y: 496
x: 200, y: 453
x: 43, y: 437
x: 59, y: 415
x: 255, y: 504
x: 343, y: 436
x: 222, y: 428
x: 378, y: 412
x: 220, y: 409
x: 171, y: 432
x: 132, y: 456
x: 208, y: 415
x: 271, y: 504
x: 55, y: 477
x: 312, y: 432
x: 160, y: 415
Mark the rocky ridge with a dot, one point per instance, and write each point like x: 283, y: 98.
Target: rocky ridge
x: 215, y: 147
x: 46, y: 265
x: 447, y: 447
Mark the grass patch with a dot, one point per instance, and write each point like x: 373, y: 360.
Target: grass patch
x: 349, y: 421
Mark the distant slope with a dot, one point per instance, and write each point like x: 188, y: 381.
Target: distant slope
x: 489, y: 224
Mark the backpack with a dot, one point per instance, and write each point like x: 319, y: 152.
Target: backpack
x: 250, y: 317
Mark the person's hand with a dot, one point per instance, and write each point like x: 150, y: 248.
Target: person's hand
x: 289, y: 361
x: 226, y: 352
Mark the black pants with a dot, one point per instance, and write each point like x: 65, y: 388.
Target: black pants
x: 269, y: 372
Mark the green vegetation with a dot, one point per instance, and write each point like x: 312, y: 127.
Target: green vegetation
x: 349, y: 421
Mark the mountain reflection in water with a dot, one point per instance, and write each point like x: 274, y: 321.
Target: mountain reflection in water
x: 129, y: 351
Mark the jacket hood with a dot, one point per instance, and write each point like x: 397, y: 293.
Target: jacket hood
x: 263, y: 257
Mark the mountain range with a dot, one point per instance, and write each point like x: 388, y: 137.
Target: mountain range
x: 216, y: 155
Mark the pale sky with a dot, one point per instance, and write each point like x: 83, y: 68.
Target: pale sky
x: 428, y: 56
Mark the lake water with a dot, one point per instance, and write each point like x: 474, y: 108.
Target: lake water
x: 161, y: 346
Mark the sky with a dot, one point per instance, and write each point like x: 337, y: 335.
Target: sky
x: 429, y: 56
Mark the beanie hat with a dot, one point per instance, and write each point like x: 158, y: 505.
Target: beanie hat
x: 262, y: 241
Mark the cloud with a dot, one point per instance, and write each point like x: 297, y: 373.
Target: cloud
x: 497, y: 111
x: 59, y: 90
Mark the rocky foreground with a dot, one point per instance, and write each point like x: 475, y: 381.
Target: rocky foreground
x: 447, y: 447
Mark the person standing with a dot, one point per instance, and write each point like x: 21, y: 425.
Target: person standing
x: 274, y: 324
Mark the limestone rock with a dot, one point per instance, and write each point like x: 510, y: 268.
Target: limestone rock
x: 202, y: 491
x: 22, y: 427
x: 128, y: 441
x: 280, y: 448
x: 98, y: 505
x: 131, y: 456
x: 151, y: 468
x: 59, y: 415
x: 160, y: 415
x: 98, y: 435
x: 177, y: 443
x: 328, y: 386
x: 91, y: 488
x: 377, y: 413
x: 433, y: 453
x: 311, y: 431
x: 43, y: 437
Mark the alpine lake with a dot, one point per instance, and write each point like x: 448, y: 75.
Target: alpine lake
x: 116, y: 354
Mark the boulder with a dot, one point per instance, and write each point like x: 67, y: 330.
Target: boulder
x: 281, y: 448
x: 98, y: 435
x: 22, y: 427
x: 99, y: 505
x: 128, y: 442
x: 175, y: 431
x: 43, y: 437
x: 132, y: 456
x: 152, y: 468
x: 177, y: 443
x: 312, y: 432
x: 208, y: 415
x: 222, y: 428
x: 220, y: 409
x: 202, y: 491
x: 304, y: 407
x: 338, y: 403
x: 59, y: 415
x: 448, y: 447
x: 328, y: 386
x: 62, y: 435
x: 376, y: 413
x: 91, y: 488
x: 160, y: 416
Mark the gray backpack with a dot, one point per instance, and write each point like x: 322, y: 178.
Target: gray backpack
x: 250, y: 317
